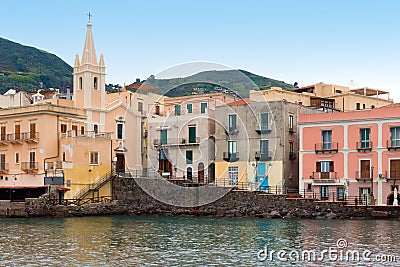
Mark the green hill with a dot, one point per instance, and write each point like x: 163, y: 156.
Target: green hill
x: 24, y: 68
x: 238, y: 81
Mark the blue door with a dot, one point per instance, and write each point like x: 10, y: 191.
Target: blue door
x: 262, y: 177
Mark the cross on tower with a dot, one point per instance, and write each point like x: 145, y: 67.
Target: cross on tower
x: 89, y: 15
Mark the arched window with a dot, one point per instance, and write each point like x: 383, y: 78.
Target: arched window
x: 95, y: 83
x: 80, y: 83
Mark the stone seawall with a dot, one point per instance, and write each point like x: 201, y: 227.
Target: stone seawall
x: 131, y: 199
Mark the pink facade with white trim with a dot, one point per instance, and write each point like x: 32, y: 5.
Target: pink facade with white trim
x: 351, y: 155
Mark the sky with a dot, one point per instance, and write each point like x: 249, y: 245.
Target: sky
x: 304, y: 41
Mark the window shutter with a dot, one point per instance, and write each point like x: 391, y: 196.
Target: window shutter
x: 331, y: 166
x: 318, y: 166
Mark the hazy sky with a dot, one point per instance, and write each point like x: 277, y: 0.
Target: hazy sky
x: 305, y: 41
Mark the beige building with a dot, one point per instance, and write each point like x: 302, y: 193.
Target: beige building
x: 328, y: 97
x: 13, y: 99
x: 182, y: 137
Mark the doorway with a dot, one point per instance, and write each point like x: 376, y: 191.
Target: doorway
x: 120, y: 163
x: 200, y: 173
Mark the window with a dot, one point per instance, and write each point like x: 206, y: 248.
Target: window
x: 263, y: 149
x: 64, y: 156
x: 358, y: 106
x: 203, y: 107
x: 233, y: 175
x: 326, y: 140
x: 96, y: 129
x: 264, y: 121
x: 340, y: 193
x: 163, y: 137
x: 291, y: 147
x: 3, y: 162
x: 17, y: 131
x: 157, y: 110
x: 324, y: 192
x: 232, y: 148
x: 140, y: 107
x: 192, y: 134
x: 120, y: 127
x: 325, y: 169
x: 394, y: 168
x: 232, y: 122
x: 75, y: 129
x: 189, y: 156
x: 177, y: 110
x: 82, y: 130
x: 291, y: 123
x: 189, y: 108
x: 309, y: 187
x: 32, y: 130
x: 63, y: 128
x: 80, y: 83
x: 3, y: 133
x: 363, y: 106
x: 32, y: 159
x: 95, y: 83
x: 17, y: 158
x: 94, y: 158
x: 394, y: 136
x: 365, y: 138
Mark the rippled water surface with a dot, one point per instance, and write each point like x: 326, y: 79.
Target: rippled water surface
x: 170, y: 241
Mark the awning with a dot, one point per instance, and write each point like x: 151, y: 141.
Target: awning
x: 63, y: 189
x: 341, y: 184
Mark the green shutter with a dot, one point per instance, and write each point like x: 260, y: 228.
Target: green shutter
x: 192, y: 134
x: 189, y: 108
x: 189, y: 156
x: 177, y: 110
x: 163, y: 137
x: 203, y: 107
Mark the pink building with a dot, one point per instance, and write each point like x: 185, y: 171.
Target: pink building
x: 351, y: 155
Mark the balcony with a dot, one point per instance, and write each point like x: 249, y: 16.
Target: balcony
x: 292, y: 155
x: 177, y: 142
x: 87, y: 134
x: 324, y: 175
x: 30, y: 137
x: 232, y: 131
x: 326, y: 147
x: 364, y: 146
x: 263, y: 156
x: 392, y: 175
x: 291, y: 130
x: 3, y: 168
x: 15, y: 138
x: 393, y: 145
x: 263, y: 130
x: 231, y: 157
x: 30, y: 167
x: 4, y: 139
x: 363, y: 176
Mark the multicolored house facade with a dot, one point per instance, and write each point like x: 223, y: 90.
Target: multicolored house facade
x: 351, y: 155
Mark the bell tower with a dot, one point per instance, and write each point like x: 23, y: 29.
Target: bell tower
x: 89, y: 76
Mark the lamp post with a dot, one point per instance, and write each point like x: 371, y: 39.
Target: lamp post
x: 372, y: 184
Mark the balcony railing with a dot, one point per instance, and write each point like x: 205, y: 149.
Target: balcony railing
x: 393, y: 144
x: 177, y: 142
x: 364, y: 146
x: 30, y: 137
x: 263, y: 156
x: 30, y: 166
x: 231, y: 157
x: 87, y: 134
x: 363, y: 176
x: 291, y: 130
x: 15, y: 138
x: 324, y: 175
x: 326, y: 147
x: 263, y: 130
x: 4, y: 139
x: 392, y: 175
x: 3, y: 167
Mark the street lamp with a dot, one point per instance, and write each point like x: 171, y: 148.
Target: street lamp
x: 372, y: 184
